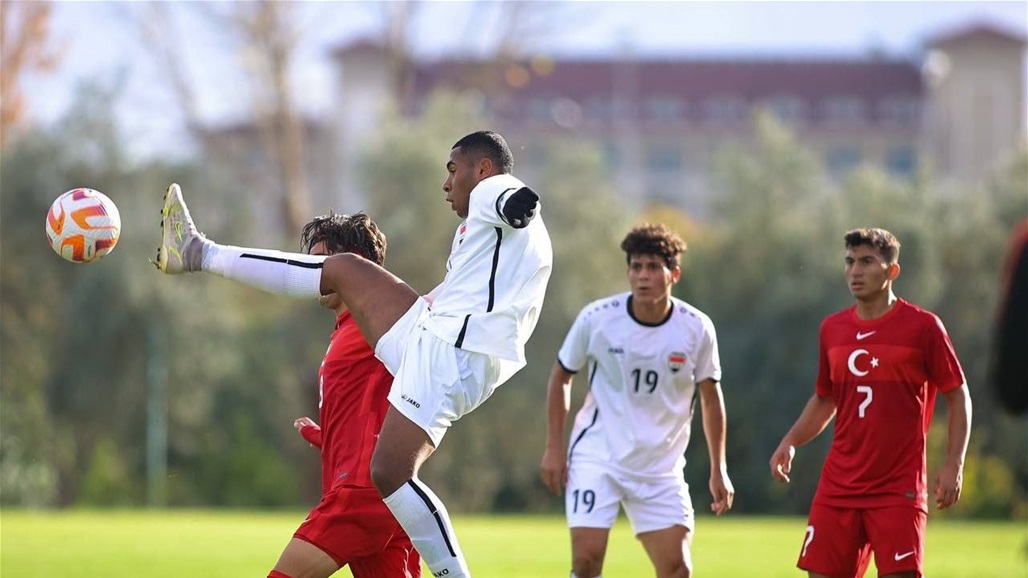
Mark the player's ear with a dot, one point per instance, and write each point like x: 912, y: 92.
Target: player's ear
x: 894, y: 271
x: 676, y: 274
x: 485, y: 167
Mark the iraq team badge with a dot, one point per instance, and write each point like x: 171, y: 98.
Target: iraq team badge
x: 676, y: 361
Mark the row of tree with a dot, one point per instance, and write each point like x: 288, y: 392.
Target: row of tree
x: 93, y: 355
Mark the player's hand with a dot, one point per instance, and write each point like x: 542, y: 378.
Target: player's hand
x: 310, y: 431
x: 781, y: 462
x: 722, y: 491
x: 303, y: 422
x: 948, y: 483
x: 520, y: 207
x: 554, y: 470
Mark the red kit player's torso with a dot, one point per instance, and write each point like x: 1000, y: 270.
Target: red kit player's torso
x: 353, y: 386
x: 883, y: 375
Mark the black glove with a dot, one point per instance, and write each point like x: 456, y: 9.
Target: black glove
x: 520, y: 207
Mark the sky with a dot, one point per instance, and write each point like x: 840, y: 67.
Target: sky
x: 101, y: 41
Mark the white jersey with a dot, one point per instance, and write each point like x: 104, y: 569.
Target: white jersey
x: 638, y: 413
x: 496, y: 277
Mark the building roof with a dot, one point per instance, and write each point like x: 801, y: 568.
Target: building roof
x: 695, y: 78
x: 977, y: 32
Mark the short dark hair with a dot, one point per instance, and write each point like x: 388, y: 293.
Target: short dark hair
x: 885, y: 242
x: 650, y: 239
x: 490, y: 145
x: 355, y: 233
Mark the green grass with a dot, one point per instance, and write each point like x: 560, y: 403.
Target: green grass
x: 225, y: 544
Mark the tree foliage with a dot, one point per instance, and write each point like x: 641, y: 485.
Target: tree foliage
x: 79, y: 342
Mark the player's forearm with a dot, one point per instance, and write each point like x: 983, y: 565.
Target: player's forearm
x: 714, y: 427
x: 558, y: 404
x: 816, y: 416
x: 958, y: 409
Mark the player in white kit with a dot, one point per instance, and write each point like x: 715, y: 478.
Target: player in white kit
x: 645, y: 353
x: 449, y: 350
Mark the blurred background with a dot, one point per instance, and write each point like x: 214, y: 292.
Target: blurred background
x: 760, y: 131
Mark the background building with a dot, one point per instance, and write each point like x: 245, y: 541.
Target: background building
x: 957, y: 107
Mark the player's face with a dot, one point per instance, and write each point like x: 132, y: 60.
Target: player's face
x: 332, y: 300
x: 650, y: 277
x: 867, y: 273
x: 462, y: 175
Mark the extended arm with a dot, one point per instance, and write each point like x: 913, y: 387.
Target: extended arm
x: 554, y: 467
x: 950, y: 479
x: 816, y: 416
x: 714, y: 428
x: 310, y: 431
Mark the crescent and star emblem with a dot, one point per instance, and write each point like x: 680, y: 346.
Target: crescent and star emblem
x: 853, y: 362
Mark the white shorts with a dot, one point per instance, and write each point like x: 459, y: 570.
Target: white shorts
x: 594, y: 493
x: 434, y: 383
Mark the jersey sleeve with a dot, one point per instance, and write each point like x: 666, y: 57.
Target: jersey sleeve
x: 312, y: 434
x: 708, y: 361
x: 487, y: 203
x: 944, y: 370
x: 574, y: 352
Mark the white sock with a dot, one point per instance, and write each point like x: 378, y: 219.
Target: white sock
x: 426, y: 522
x: 289, y: 274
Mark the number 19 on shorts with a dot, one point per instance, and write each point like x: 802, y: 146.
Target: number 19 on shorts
x: 587, y: 499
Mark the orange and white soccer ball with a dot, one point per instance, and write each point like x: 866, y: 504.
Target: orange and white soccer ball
x: 83, y: 225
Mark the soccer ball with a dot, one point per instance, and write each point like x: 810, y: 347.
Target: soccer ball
x: 83, y: 225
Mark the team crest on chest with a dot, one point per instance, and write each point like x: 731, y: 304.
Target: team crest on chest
x: 675, y: 361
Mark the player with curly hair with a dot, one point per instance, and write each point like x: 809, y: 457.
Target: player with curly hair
x: 646, y: 353
x: 350, y: 526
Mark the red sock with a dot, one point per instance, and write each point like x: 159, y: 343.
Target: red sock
x: 277, y: 574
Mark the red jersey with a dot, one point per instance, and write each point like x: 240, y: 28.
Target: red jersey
x: 883, y: 375
x: 353, y: 385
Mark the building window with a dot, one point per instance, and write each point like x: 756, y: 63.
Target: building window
x: 841, y: 160
x: 724, y: 111
x: 538, y: 110
x: 664, y: 158
x: 900, y: 112
x: 788, y: 109
x: 624, y: 108
x: 598, y: 109
x: 844, y: 111
x: 901, y: 161
x: 664, y: 109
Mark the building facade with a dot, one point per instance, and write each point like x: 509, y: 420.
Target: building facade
x: 959, y: 107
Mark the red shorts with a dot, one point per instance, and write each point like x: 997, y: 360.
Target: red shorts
x: 839, y: 541
x: 354, y: 526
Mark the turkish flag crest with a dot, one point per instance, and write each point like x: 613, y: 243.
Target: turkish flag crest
x: 676, y: 361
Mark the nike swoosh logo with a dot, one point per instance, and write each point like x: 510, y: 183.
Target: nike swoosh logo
x: 898, y: 557
x: 863, y: 335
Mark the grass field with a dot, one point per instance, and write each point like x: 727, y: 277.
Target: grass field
x: 225, y: 544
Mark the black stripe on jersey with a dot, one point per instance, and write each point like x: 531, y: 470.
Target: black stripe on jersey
x: 596, y: 414
x: 435, y: 512
x: 499, y: 209
x: 492, y: 274
x: 463, y: 330
x: 281, y: 260
x: 492, y: 287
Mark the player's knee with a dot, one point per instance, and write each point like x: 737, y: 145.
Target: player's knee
x: 677, y: 569
x: 386, y: 477
x: 586, y: 565
x: 337, y: 269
